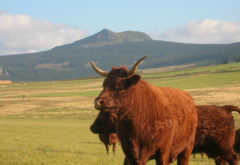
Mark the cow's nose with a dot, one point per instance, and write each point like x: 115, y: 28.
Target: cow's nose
x: 92, y: 129
x: 98, y: 103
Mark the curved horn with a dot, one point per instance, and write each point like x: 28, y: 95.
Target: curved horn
x: 136, y: 65
x: 98, y: 70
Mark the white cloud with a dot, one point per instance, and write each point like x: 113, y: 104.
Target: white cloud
x: 205, y: 31
x: 22, y: 33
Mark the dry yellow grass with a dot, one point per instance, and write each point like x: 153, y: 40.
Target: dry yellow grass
x: 32, y: 105
x: 17, y: 102
x: 225, y: 95
x: 24, y: 98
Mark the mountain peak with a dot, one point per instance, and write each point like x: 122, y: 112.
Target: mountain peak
x: 108, y: 37
x: 106, y: 31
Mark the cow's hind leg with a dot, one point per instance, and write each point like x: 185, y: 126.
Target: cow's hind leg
x: 162, y: 158
x: 184, y: 157
x: 126, y: 162
x: 220, y: 161
x: 160, y: 161
x: 231, y: 157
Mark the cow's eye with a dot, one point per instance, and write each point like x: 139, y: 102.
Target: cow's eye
x: 117, y: 87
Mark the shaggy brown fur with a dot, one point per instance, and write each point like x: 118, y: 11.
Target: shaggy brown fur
x: 216, y: 133
x: 215, y: 127
x: 109, y: 139
x: 151, y: 121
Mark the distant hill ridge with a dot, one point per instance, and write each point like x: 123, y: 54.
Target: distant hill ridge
x: 107, y: 48
x: 108, y: 37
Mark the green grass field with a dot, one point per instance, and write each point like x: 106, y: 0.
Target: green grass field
x: 47, y: 123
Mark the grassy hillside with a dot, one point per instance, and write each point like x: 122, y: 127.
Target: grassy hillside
x: 108, y: 49
x: 44, y: 123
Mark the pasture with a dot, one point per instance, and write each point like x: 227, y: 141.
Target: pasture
x: 47, y: 123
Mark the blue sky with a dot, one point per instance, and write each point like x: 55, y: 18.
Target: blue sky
x: 215, y: 21
x: 144, y: 15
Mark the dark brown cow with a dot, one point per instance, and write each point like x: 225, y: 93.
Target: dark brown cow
x: 109, y: 139
x: 214, y: 135
x: 151, y: 121
x: 105, y: 122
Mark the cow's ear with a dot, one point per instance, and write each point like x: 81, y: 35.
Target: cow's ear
x: 132, y: 80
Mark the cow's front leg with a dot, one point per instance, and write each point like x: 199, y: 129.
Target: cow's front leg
x: 131, y: 151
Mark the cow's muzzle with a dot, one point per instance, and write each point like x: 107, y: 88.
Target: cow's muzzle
x: 93, y: 129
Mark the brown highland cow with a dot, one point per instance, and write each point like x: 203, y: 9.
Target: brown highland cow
x: 152, y: 122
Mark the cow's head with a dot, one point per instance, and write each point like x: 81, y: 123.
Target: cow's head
x: 104, y: 123
x: 117, y: 81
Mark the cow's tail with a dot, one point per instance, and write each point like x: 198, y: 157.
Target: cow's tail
x: 231, y: 108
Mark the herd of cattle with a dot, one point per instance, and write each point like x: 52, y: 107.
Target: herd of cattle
x: 161, y: 123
